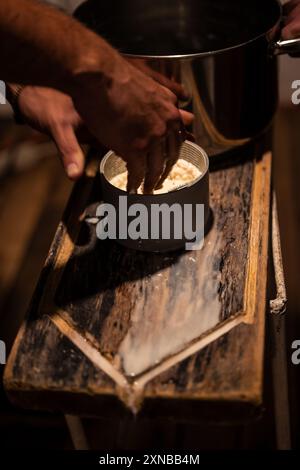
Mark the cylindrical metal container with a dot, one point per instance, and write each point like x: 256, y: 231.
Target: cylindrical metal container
x: 181, y: 211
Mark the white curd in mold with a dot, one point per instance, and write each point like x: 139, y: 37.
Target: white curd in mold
x: 182, y: 173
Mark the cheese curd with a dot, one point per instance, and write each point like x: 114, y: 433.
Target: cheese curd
x: 182, y: 173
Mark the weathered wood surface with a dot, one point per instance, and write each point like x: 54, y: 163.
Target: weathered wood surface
x: 107, y: 323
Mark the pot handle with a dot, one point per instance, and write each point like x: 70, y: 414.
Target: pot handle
x: 288, y: 46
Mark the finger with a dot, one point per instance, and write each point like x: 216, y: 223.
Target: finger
x: 155, y: 166
x: 189, y: 136
x: 136, y: 168
x: 70, y: 151
x: 175, y: 87
x: 186, y: 117
x: 289, y: 6
x: 173, y: 145
x: 292, y: 16
x: 292, y: 30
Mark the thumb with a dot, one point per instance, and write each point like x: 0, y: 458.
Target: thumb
x: 70, y: 151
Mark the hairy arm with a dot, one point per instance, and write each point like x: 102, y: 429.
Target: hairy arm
x: 40, y: 45
x: 121, y: 106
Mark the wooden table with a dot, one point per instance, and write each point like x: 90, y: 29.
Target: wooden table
x: 164, y: 335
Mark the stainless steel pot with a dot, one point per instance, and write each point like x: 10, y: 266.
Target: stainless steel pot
x: 222, y: 51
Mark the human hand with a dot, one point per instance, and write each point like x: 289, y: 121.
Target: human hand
x: 291, y: 29
x: 52, y: 112
x: 132, y: 114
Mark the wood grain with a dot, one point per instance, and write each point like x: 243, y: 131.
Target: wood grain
x: 147, y: 314
x: 138, y: 306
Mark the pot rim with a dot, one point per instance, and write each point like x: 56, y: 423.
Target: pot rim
x: 185, y: 186
x: 266, y: 35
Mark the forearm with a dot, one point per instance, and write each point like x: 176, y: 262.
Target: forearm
x: 42, y: 46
